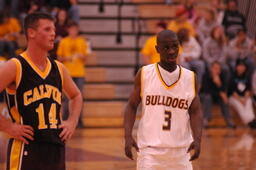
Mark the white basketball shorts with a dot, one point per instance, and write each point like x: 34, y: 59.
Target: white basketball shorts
x: 163, y: 159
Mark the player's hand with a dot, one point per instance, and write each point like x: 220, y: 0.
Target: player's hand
x: 129, y: 143
x: 195, y: 145
x: 20, y: 132
x: 68, y: 128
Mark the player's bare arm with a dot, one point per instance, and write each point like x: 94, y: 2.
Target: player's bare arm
x: 130, y: 116
x: 75, y: 106
x: 196, y: 122
x: 7, y: 68
x: 14, y: 130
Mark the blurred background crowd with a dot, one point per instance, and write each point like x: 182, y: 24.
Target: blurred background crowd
x: 214, y: 42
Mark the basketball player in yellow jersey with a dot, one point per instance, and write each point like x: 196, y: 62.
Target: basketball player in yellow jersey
x: 171, y: 122
x: 34, y: 83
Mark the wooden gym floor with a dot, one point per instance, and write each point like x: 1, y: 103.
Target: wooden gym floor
x: 102, y: 149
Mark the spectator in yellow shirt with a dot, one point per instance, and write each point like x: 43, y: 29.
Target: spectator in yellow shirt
x: 72, y: 51
x: 9, y: 31
x: 182, y: 21
x: 148, y: 52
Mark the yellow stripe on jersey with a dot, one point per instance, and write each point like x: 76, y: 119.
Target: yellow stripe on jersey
x: 15, y: 156
x: 42, y: 74
x: 10, y: 91
x: 15, y: 115
x: 18, y: 71
x: 18, y: 76
x: 17, y: 145
x: 60, y: 67
x: 162, y: 80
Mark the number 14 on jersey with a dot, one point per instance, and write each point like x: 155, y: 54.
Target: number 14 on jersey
x: 51, y: 116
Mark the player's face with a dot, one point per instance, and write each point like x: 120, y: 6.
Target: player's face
x: 44, y: 34
x: 168, y: 50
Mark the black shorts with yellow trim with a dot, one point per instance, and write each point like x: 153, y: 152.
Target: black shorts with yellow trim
x: 35, y: 156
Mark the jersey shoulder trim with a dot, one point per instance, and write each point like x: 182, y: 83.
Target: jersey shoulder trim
x: 17, y: 77
x: 60, y: 68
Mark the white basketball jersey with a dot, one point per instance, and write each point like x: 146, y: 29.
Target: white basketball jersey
x: 165, y: 118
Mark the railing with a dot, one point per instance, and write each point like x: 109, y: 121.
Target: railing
x: 137, y: 32
x: 101, y: 6
x: 119, y: 22
x: 136, y: 25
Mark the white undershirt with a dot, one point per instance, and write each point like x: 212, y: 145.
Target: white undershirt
x: 169, y: 77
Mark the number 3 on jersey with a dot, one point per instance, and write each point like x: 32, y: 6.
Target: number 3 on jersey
x: 167, y: 120
x: 51, y: 116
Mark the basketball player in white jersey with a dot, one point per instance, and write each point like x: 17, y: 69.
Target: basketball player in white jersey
x: 171, y: 122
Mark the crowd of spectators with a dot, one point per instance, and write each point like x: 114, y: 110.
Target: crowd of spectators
x: 214, y: 44
x: 13, y: 12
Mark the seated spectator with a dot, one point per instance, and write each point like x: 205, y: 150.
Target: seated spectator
x: 254, y: 86
x: 215, y: 46
x: 218, y: 8
x: 10, y: 5
x: 253, y: 49
x: 73, y: 11
x: 148, y: 52
x: 27, y: 7
x: 190, y: 7
x: 190, y: 54
x: 215, y: 49
x: 72, y: 51
x: 69, y: 5
x: 182, y: 21
x: 9, y: 31
x: 206, y: 24
x: 240, y: 91
x: 215, y: 89
x: 233, y: 20
x: 241, y: 48
x: 61, y: 24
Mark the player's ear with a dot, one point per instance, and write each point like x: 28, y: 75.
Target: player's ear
x: 31, y: 32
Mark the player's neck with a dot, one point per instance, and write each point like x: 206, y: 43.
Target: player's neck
x: 170, y: 67
x: 38, y: 56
